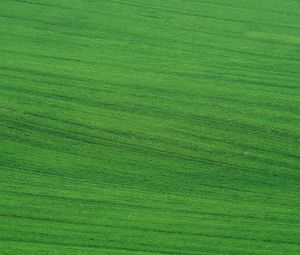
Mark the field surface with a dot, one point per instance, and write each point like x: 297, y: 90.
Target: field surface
x: 149, y: 127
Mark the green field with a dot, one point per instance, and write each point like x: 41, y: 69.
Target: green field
x: 149, y: 127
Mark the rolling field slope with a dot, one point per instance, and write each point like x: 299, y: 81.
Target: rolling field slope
x: 149, y: 127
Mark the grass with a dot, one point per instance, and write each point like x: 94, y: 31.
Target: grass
x: 149, y: 127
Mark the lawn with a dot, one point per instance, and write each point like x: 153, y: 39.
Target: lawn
x: 149, y: 127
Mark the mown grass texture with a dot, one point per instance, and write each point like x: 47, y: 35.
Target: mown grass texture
x: 149, y: 127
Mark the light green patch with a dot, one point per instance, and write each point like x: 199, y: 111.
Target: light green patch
x: 275, y: 38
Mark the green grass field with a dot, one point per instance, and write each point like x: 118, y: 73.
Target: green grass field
x: 149, y: 127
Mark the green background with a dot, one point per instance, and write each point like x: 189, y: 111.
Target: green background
x: 149, y: 127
